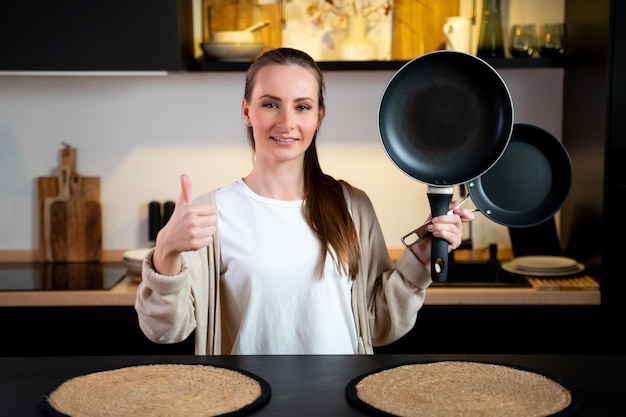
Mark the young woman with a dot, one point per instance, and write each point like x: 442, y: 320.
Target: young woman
x: 286, y: 260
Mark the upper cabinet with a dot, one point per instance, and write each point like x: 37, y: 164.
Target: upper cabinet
x: 148, y: 35
x: 84, y: 35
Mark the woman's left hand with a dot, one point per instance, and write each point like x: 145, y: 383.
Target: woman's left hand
x: 448, y: 227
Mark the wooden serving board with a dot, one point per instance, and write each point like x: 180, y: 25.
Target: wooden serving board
x: 582, y: 283
x: 70, y: 217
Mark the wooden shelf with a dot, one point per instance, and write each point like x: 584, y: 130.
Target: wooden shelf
x: 504, y: 63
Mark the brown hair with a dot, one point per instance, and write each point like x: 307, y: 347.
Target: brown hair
x: 325, y: 208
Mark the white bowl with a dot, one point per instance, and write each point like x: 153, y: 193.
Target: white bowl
x: 232, y: 51
x: 133, y: 259
x: 233, y: 36
x: 248, y: 35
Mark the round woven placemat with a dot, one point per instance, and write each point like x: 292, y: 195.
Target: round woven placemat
x: 159, y: 390
x: 459, y: 389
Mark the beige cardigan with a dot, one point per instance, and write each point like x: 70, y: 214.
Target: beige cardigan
x: 385, y: 300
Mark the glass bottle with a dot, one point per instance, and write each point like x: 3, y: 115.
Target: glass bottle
x: 490, y: 43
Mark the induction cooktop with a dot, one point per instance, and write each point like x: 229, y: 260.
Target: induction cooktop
x: 60, y: 276
x: 481, y: 274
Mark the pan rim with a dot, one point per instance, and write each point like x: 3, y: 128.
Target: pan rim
x: 556, y: 154
x: 503, y: 126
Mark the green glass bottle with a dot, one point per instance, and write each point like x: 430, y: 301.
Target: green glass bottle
x: 490, y: 43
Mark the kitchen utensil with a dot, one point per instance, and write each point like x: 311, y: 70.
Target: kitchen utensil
x: 48, y: 197
x: 70, y: 218
x: 445, y: 118
x: 155, y: 220
x: 421, y: 232
x: 529, y: 183
x: 168, y: 210
x: 229, y: 51
x: 75, y: 227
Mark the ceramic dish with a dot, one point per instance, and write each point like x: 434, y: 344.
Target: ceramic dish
x: 232, y: 51
x: 545, y: 263
x: 133, y: 259
x: 511, y: 267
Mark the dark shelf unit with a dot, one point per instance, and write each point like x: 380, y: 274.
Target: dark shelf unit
x: 78, y: 35
x: 223, y: 66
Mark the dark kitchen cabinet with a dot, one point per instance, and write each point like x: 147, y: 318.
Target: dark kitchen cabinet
x: 511, y: 329
x: 594, y: 133
x: 79, y: 35
x: 78, y: 331
x: 516, y: 329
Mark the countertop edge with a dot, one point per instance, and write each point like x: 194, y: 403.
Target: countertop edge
x: 124, y: 293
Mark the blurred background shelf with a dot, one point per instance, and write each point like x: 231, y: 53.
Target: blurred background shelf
x: 504, y: 63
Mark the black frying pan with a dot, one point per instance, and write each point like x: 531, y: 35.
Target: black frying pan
x: 529, y: 183
x: 445, y: 118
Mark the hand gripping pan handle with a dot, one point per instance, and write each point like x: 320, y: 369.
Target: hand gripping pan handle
x: 439, y: 199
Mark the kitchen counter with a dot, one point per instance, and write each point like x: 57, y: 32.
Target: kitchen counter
x: 123, y: 294
x: 311, y: 385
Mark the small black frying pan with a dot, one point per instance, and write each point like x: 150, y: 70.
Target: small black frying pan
x: 445, y: 118
x: 529, y: 183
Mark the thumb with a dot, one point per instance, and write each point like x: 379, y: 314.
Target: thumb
x: 185, y: 190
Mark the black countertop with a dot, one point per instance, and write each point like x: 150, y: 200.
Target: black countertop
x: 315, y: 385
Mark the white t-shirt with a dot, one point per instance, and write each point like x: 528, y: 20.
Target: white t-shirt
x: 273, y: 301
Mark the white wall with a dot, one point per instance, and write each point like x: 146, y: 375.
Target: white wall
x: 139, y: 133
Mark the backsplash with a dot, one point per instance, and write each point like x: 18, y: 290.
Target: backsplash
x: 138, y: 134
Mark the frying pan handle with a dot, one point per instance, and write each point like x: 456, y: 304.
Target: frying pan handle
x: 440, y: 199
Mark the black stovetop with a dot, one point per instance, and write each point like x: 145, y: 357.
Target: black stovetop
x: 481, y: 274
x: 60, y: 276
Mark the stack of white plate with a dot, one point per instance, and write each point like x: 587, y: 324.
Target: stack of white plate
x: 543, y: 266
x: 133, y: 260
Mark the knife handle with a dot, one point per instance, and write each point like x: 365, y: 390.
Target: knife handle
x: 168, y: 209
x: 154, y: 220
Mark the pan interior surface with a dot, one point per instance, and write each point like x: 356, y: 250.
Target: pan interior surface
x: 445, y: 118
x: 529, y: 183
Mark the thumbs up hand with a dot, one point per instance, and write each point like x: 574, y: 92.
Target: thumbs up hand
x: 191, y: 227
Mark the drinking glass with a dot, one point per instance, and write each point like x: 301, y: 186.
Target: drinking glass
x: 523, y: 40
x: 553, y: 40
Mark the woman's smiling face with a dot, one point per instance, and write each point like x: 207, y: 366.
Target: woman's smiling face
x: 283, y: 111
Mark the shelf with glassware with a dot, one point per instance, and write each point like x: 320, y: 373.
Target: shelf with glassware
x: 504, y: 63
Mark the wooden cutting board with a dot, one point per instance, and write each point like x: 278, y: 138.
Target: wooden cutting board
x: 582, y: 283
x: 70, y: 214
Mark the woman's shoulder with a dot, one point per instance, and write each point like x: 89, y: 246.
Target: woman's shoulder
x: 210, y: 197
x: 356, y: 196
x: 206, y: 198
